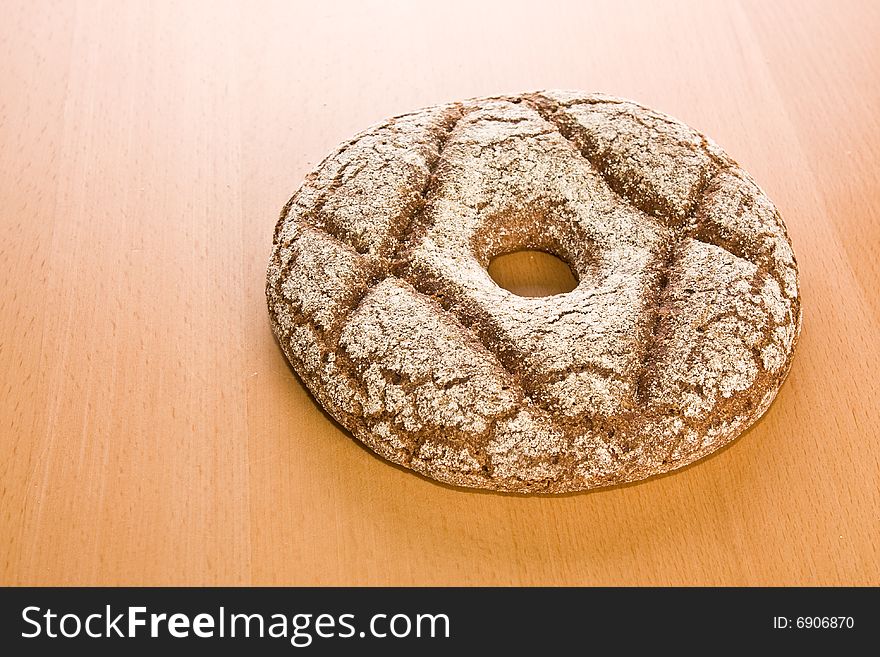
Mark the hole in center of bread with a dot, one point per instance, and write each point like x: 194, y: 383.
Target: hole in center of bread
x: 529, y: 273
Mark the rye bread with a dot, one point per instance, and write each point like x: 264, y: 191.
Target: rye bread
x: 676, y: 339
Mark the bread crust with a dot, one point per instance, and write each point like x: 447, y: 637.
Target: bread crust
x: 676, y: 339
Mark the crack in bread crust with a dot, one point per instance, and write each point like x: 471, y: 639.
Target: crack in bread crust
x: 708, y: 266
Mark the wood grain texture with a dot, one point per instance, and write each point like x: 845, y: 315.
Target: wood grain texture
x: 150, y: 429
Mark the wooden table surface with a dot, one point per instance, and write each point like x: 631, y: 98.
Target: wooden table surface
x: 150, y: 429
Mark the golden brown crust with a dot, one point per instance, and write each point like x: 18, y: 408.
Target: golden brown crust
x: 676, y: 339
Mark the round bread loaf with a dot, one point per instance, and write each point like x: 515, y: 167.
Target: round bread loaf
x: 677, y: 337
